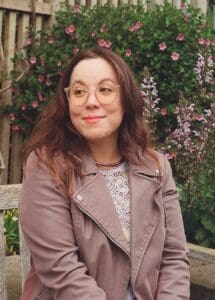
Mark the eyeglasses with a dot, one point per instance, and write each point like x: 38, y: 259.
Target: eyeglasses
x: 106, y: 93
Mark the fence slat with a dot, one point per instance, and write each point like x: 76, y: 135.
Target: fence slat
x: 17, y: 138
x: 25, y: 6
x: 9, y: 48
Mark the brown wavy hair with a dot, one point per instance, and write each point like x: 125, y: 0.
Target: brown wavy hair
x: 55, y: 136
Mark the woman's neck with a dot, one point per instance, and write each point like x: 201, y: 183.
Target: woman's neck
x: 105, y: 152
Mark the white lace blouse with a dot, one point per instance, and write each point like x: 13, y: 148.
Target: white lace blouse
x: 116, y: 180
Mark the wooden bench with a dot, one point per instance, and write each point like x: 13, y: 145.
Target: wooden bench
x: 9, y: 198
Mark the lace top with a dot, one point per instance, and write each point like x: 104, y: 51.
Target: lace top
x: 116, y: 180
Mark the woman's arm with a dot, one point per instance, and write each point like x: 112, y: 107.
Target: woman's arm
x: 174, y: 277
x: 45, y: 218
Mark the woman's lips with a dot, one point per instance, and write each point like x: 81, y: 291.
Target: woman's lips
x: 93, y: 119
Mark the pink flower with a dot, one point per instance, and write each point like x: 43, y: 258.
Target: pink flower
x: 207, y: 42
x: 16, y: 128
x: 76, y: 8
x: 170, y: 155
x: 48, y: 82
x: 180, y: 37
x: 23, y: 107
x: 40, y: 78
x: 104, y: 29
x: 33, y: 60
x: 182, y: 5
x: 40, y: 96
x: 135, y: 26
x: 70, y: 29
x: 162, y: 46
x: 59, y: 64
x: 108, y: 44
x: 12, y: 117
x: 28, y: 41
x: 201, y: 41
x: 128, y: 52
x: 198, y: 117
x: 34, y: 104
x: 164, y: 111
x: 50, y: 40
x: 93, y: 34
x: 175, y: 56
x: 101, y: 43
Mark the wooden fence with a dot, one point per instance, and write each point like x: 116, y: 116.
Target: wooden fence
x: 15, y: 16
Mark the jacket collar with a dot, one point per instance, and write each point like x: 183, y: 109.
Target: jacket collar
x: 147, y: 166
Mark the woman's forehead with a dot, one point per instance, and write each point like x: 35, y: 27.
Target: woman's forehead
x: 93, y: 70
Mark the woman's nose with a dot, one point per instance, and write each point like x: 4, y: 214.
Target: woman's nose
x: 92, y: 100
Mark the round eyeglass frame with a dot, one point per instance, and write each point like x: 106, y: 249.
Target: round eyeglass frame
x: 66, y: 90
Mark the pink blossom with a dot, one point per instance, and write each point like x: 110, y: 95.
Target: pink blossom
x: 164, y: 111
x: 28, y: 41
x: 182, y: 5
x: 70, y: 29
x: 175, y: 56
x: 48, y: 82
x: 135, y: 26
x: 101, y: 43
x: 40, y: 96
x: 93, y: 34
x: 59, y: 64
x: 162, y: 46
x: 76, y: 8
x: 103, y: 29
x: 23, y: 107
x: 34, y: 104
x: 33, y: 60
x: 40, y: 78
x: 207, y: 42
x: 108, y: 44
x: 180, y: 37
x: 50, y: 40
x: 12, y: 117
x: 128, y: 52
x: 16, y: 128
x: 170, y: 156
x: 198, y: 117
x: 201, y: 41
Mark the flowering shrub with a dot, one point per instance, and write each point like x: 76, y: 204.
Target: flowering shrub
x: 166, y: 40
x: 171, y: 52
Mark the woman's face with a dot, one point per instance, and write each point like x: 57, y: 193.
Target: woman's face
x: 95, y: 103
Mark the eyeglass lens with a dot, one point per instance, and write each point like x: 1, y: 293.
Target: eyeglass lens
x: 105, y: 93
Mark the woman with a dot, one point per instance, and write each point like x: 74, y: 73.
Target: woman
x: 99, y: 207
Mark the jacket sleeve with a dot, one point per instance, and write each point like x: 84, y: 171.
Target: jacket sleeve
x: 45, y: 219
x: 174, y: 277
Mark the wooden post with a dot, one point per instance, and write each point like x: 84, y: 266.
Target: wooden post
x: 9, y: 47
x: 17, y: 138
x: 202, y: 4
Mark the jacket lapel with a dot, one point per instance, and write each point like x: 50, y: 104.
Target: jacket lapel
x: 94, y: 200
x: 145, y: 208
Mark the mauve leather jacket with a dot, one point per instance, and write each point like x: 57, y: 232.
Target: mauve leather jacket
x: 78, y: 249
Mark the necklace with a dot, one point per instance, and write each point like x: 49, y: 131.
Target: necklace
x: 116, y: 163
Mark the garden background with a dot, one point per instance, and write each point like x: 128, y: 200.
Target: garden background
x: 171, y: 49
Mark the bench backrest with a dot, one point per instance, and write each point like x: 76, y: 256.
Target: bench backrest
x: 9, y: 199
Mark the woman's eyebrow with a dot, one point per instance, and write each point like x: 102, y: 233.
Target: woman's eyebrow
x: 83, y: 83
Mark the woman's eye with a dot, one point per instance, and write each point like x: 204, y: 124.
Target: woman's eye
x: 79, y: 92
x: 106, y: 90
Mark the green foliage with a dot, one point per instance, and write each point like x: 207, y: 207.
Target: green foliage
x: 11, y: 231
x: 165, y: 40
